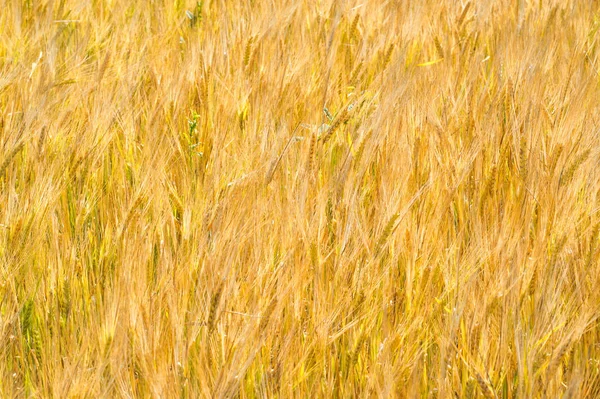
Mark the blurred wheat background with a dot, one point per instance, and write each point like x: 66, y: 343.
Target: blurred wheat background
x: 299, y: 199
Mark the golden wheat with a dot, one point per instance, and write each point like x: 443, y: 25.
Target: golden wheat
x: 168, y: 230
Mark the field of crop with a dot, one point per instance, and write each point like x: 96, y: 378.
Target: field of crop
x: 289, y: 198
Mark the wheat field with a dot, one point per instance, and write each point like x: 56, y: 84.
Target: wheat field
x: 280, y: 199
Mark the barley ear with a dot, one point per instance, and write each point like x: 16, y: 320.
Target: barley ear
x: 463, y: 14
x: 353, y: 27
x: 214, y: 304
x: 337, y: 122
x: 10, y: 157
x: 486, y: 390
x: 568, y: 173
x: 264, y: 320
x: 438, y: 47
x: 311, y: 152
x: 248, y: 51
x: 559, y: 353
x: 523, y: 157
x: 387, y: 231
